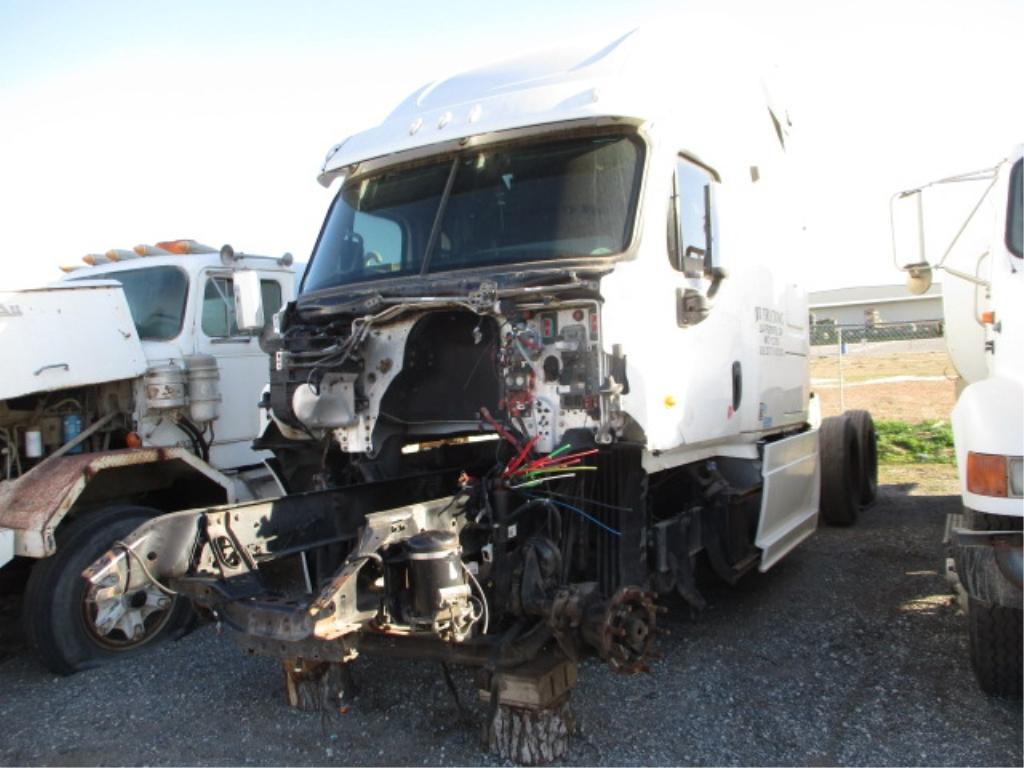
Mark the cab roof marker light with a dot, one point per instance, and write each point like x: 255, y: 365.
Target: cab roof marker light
x: 184, y: 246
x: 120, y: 254
x: 66, y: 268
x: 94, y: 259
x: 149, y: 250
x: 174, y: 246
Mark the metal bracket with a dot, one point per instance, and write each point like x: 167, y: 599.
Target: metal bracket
x: 232, y: 558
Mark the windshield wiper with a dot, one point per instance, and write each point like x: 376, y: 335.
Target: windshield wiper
x: 435, y: 229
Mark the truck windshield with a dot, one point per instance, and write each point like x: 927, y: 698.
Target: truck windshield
x: 156, y: 297
x: 528, y: 202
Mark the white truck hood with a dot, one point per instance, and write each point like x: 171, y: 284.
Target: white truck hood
x: 67, y: 335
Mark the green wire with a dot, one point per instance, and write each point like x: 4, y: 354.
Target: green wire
x: 546, y: 470
x: 559, y: 451
x: 539, y: 480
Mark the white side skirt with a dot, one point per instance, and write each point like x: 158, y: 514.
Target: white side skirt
x: 789, y: 504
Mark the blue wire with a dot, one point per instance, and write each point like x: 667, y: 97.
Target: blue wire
x: 577, y: 510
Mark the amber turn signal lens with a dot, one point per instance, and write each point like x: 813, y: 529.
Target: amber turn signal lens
x: 132, y: 440
x: 986, y: 474
x: 988, y: 317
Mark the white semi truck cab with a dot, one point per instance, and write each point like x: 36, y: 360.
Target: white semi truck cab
x: 545, y: 361
x: 983, y: 308
x: 129, y: 391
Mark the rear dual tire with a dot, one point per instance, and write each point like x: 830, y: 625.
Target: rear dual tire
x: 867, y: 441
x: 840, y: 457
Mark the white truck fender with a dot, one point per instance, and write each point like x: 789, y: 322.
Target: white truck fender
x: 989, y: 418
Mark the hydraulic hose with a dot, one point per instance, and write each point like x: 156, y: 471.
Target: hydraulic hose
x: 199, y: 444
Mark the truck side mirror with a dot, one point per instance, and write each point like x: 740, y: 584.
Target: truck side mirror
x: 248, y: 300
x: 906, y: 222
x: 693, y: 226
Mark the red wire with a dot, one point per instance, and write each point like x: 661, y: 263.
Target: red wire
x: 486, y: 415
x: 520, y: 456
x: 558, y: 460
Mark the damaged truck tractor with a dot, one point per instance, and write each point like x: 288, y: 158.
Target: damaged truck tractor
x: 520, y: 396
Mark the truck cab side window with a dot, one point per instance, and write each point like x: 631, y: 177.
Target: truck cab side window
x: 691, y: 220
x: 218, y: 321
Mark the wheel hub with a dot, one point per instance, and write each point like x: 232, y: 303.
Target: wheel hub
x: 628, y: 630
x: 123, y: 621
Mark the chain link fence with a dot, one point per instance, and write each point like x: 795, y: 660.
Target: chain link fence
x: 897, y: 371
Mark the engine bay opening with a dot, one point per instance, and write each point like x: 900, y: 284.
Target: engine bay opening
x: 448, y: 373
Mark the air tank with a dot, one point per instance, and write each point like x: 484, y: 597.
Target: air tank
x: 165, y: 387
x: 203, y: 388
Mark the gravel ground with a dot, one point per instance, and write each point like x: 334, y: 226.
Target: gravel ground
x: 850, y: 652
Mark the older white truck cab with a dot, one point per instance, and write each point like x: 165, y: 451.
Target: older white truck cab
x: 983, y: 309
x: 545, y: 363
x: 128, y: 391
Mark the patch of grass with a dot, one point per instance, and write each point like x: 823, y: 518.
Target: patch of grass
x: 926, y: 442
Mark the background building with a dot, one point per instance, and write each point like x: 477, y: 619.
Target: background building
x: 871, y: 305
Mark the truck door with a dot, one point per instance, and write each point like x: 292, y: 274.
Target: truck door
x: 243, y: 365
x: 708, y: 352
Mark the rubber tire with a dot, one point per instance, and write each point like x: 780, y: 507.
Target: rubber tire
x: 868, y: 440
x: 995, y: 638
x: 996, y: 648
x: 839, y: 455
x: 52, y: 615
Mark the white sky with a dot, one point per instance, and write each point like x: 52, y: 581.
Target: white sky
x: 124, y: 122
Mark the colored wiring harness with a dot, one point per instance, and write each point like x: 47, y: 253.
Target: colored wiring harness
x: 557, y: 465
